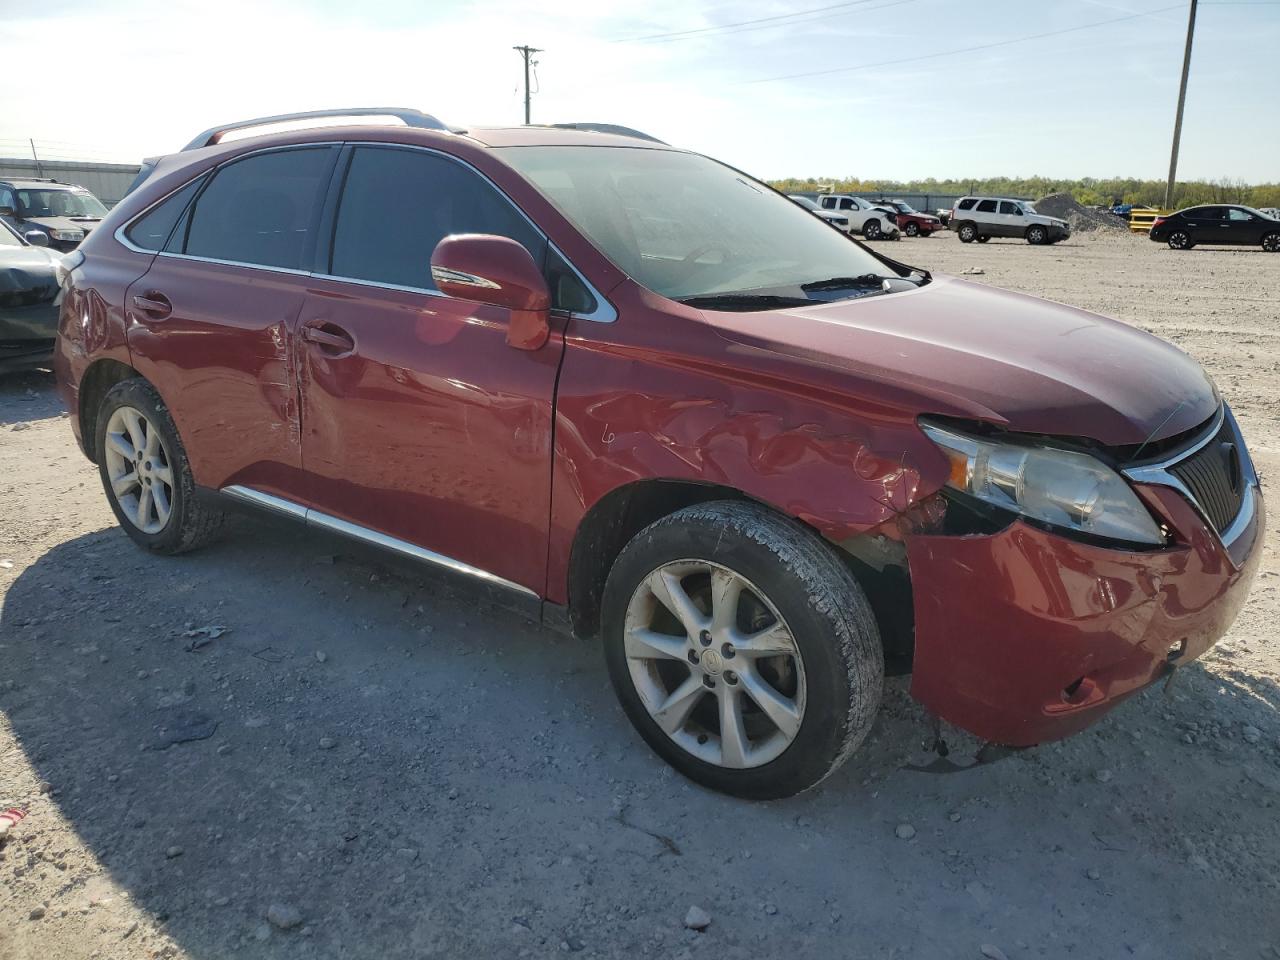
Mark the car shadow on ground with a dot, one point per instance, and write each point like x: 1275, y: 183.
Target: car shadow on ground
x: 278, y: 720
x: 28, y: 395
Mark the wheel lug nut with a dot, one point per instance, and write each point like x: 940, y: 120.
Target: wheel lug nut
x: 728, y: 650
x: 708, y: 682
x: 705, y: 638
x: 730, y: 677
x: 693, y: 656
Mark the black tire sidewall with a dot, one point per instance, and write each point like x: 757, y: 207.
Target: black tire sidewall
x: 1036, y: 235
x: 912, y: 230
x: 967, y: 233
x: 824, y: 737
x: 140, y: 395
x: 871, y: 230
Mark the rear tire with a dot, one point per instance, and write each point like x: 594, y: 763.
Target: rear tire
x: 871, y: 230
x: 1180, y: 240
x: 967, y: 233
x: 146, y: 475
x: 775, y: 636
x: 1271, y: 243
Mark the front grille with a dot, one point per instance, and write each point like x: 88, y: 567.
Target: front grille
x: 1214, y: 475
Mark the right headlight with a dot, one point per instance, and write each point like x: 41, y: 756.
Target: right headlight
x: 1064, y: 488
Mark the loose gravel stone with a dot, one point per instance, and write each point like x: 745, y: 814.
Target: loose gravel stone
x: 905, y: 831
x: 284, y: 916
x: 697, y: 918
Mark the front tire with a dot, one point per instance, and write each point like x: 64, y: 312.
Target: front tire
x: 1271, y: 243
x: 1037, y: 235
x: 146, y: 475
x: 742, y: 649
x: 871, y: 230
x: 912, y: 230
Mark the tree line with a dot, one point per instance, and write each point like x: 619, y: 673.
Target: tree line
x: 1090, y: 191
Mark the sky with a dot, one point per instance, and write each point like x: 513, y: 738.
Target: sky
x: 877, y: 89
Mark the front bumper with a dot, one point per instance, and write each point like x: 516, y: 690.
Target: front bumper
x: 1025, y: 636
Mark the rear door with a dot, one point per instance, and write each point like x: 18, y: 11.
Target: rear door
x: 1208, y: 224
x: 210, y: 323
x: 987, y: 216
x: 420, y: 423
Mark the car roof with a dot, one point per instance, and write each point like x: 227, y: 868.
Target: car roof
x: 36, y: 184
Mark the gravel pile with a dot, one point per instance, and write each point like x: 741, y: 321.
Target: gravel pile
x: 1082, y: 219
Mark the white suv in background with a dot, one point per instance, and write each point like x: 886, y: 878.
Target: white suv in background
x: 981, y: 218
x: 864, y: 218
x: 837, y: 220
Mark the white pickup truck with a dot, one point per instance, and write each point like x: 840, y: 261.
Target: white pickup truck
x: 864, y: 218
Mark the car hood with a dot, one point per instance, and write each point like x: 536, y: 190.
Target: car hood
x: 64, y: 223
x: 962, y: 349
x: 25, y: 269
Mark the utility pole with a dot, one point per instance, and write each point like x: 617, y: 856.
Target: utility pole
x: 1182, y: 99
x: 527, y: 52
x: 36, y: 157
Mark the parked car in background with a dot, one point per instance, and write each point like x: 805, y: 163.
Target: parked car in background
x: 835, y: 219
x: 864, y: 217
x: 944, y: 214
x: 981, y: 218
x: 1218, y: 224
x: 29, y: 287
x: 62, y: 213
x: 780, y: 459
x: 910, y: 221
x: 1272, y: 212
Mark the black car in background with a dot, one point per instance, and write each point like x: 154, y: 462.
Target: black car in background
x: 1217, y: 223
x: 29, y: 297
x: 50, y: 212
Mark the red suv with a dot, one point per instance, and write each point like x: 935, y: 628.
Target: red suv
x: 650, y: 399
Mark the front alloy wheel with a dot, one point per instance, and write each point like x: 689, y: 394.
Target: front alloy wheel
x: 715, y: 664
x: 912, y: 230
x: 138, y: 468
x: 1037, y: 235
x: 871, y: 230
x: 1271, y: 243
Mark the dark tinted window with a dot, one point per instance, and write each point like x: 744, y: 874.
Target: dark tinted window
x: 966, y: 203
x: 987, y: 206
x: 398, y: 204
x: 1207, y: 213
x: 846, y: 204
x: 567, y: 291
x: 152, y: 229
x: 1009, y: 209
x: 261, y: 210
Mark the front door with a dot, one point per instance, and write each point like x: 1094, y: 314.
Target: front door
x: 1244, y: 227
x: 210, y: 322
x: 420, y: 423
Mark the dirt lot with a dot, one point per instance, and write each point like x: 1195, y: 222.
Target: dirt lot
x: 392, y: 771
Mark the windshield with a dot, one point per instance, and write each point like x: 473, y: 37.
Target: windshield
x: 805, y: 202
x: 59, y: 203
x: 903, y: 206
x: 688, y: 227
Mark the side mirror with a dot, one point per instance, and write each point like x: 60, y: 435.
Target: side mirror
x: 498, y: 271
x: 37, y: 238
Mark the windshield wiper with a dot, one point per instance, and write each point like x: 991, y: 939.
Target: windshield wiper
x: 841, y: 283
x: 745, y: 301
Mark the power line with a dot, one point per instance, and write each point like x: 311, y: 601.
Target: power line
x: 973, y: 49
x: 810, y: 18
x: 742, y: 23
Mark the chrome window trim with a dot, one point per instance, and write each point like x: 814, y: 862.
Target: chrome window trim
x: 1159, y: 473
x: 604, y: 312
x: 324, y: 521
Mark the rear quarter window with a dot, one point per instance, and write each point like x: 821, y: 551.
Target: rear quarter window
x: 151, y: 230
x: 967, y: 203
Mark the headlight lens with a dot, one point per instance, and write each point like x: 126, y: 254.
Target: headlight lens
x: 67, y: 234
x: 1060, y: 487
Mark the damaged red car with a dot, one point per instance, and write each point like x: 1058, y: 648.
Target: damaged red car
x: 648, y: 399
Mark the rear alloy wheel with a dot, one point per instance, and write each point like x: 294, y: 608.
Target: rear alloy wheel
x: 742, y: 649
x: 1180, y: 240
x: 968, y: 233
x: 1271, y: 243
x: 871, y: 229
x: 1037, y: 234
x: 912, y: 230
x: 145, y: 472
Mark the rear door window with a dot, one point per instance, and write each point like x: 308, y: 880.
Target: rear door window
x: 397, y: 204
x: 986, y: 206
x: 261, y: 210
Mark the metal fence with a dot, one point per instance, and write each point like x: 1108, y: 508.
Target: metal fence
x: 106, y: 181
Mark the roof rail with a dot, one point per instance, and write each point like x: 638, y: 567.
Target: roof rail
x: 613, y: 128
x: 409, y: 116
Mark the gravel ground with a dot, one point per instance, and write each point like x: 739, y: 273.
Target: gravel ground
x: 359, y: 762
